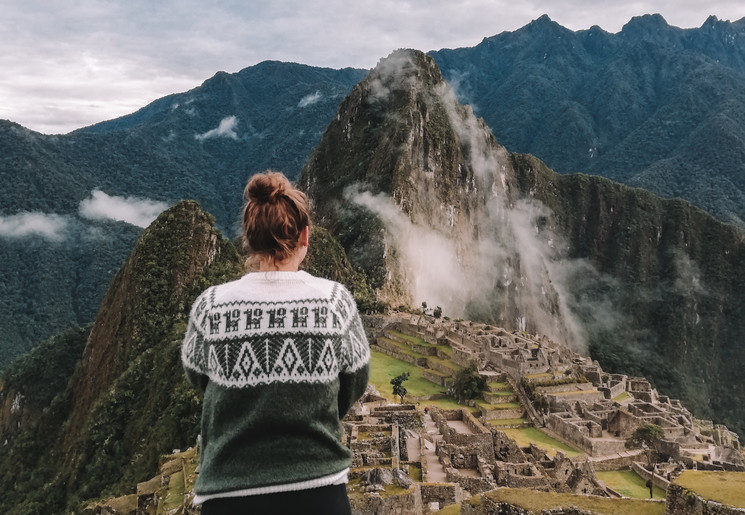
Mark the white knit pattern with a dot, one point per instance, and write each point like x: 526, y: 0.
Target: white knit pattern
x: 310, y: 339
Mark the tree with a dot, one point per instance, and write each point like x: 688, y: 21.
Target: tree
x: 437, y: 313
x: 646, y: 437
x: 468, y: 383
x: 398, y: 387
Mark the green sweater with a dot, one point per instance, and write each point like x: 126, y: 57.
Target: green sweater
x: 281, y: 356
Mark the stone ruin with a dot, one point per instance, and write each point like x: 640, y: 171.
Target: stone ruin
x: 587, y: 408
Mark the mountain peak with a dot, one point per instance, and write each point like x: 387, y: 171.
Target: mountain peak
x: 642, y: 27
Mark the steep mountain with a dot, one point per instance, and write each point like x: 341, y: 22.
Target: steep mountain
x: 90, y: 412
x: 425, y: 200
x: 201, y: 144
x: 653, y: 106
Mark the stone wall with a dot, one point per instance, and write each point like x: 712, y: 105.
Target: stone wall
x: 646, y: 475
x: 443, y: 493
x: 680, y: 501
x: 408, y: 503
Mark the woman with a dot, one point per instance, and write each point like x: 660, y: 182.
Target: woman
x: 281, y: 356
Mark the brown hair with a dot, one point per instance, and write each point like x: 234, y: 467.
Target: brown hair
x: 274, y: 215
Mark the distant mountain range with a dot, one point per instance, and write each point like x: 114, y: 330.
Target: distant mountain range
x: 652, y: 106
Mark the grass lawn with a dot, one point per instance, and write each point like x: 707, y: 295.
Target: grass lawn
x: 383, y: 368
x: 622, y: 397
x: 495, y: 387
x: 502, y: 405
x: 724, y: 487
x: 629, y: 483
x: 524, y: 436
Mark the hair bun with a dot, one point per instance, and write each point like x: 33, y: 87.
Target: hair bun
x: 267, y: 187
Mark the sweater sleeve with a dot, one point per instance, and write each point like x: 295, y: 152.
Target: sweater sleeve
x: 356, y: 371
x: 192, y: 349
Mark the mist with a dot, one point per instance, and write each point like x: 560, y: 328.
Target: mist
x: 51, y: 227
x: 132, y: 210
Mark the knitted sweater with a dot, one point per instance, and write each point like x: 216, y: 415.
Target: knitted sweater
x: 281, y: 356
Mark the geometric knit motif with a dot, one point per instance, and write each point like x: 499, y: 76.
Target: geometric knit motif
x: 247, y: 343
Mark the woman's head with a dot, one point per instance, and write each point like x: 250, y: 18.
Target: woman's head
x: 274, y: 217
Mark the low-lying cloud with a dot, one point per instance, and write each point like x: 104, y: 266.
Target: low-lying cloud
x: 310, y: 99
x: 226, y: 129
x: 136, y: 211
x: 22, y: 225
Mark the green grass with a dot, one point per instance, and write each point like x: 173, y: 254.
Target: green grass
x: 524, y: 436
x: 630, y: 484
x: 622, y: 397
x: 725, y: 487
x: 502, y: 393
x: 415, y: 473
x: 419, y: 341
x: 495, y: 387
x: 502, y: 405
x: 383, y: 368
x: 449, y: 403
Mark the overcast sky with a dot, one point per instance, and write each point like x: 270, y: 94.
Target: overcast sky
x: 68, y: 64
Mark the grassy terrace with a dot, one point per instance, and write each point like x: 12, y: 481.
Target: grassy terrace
x: 724, y: 487
x: 405, y: 349
x: 419, y: 341
x: 622, y: 397
x: 497, y: 387
x: 502, y: 405
x: 629, y: 483
x: 527, y: 435
x: 383, y: 368
x: 536, y: 501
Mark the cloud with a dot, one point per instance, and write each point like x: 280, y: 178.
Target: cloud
x: 226, y: 129
x: 135, y: 211
x: 310, y: 99
x: 102, y: 60
x: 49, y: 226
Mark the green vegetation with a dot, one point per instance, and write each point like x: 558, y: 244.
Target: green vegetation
x: 525, y: 436
x: 727, y: 488
x: 647, y: 437
x: 469, y: 384
x: 398, y: 388
x: 383, y: 368
x: 622, y: 397
x: 630, y: 484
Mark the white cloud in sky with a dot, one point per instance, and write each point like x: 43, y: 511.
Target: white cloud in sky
x: 309, y: 99
x: 49, y: 226
x: 135, y: 211
x: 66, y: 67
x: 226, y: 129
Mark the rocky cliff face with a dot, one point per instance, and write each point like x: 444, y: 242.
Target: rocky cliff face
x: 434, y: 210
